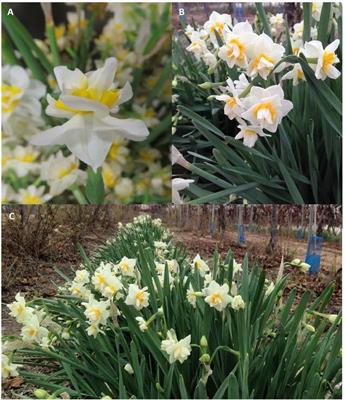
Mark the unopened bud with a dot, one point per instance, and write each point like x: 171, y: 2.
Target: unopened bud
x: 128, y: 368
x: 205, y: 359
x: 310, y: 328
x: 203, y: 341
x: 41, y: 393
x: 159, y: 387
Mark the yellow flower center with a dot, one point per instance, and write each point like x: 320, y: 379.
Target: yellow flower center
x: 231, y: 102
x: 27, y: 157
x: 100, y: 279
x: 239, y: 45
x: 59, y: 31
x: 32, y: 199
x: 198, y: 264
x: 112, y: 289
x: 249, y: 132
x: 217, y: 26
x: 124, y: 266
x: 255, y: 63
x: 19, y: 309
x: 328, y: 59
x: 300, y: 74
x: 96, y: 312
x: 215, y: 298
x: 268, y: 106
x: 32, y: 331
x: 10, y: 95
x: 106, y: 97
x: 67, y: 170
x: 108, y: 178
x: 140, y: 296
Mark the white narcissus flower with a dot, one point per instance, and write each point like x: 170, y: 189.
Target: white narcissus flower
x: 197, y: 46
x: 266, y: 107
x: 87, y: 101
x: 326, y: 58
x: 296, y: 74
x: 129, y: 369
x: 7, y: 193
x: 62, y: 172
x: 269, y: 289
x: 106, y: 282
x: 263, y: 54
x: 142, y: 324
x: 32, y: 331
x: 18, y: 308
x: 32, y: 195
x: 233, y: 52
x: 298, y: 29
x: 277, y: 19
x: 237, y: 303
x: 126, y: 266
x: 233, y: 105
x: 97, y: 312
x: 124, y: 189
x: 20, y: 97
x: 191, y: 296
x: 79, y: 290
x: 139, y: 298
x: 217, y: 296
x: 209, y: 59
x: 220, y: 23
x: 8, y: 369
x: 236, y: 267
x: 249, y: 133
x: 24, y: 161
x: 178, y: 350
x: 178, y: 184
x: 82, y: 276
x: 316, y: 10
x: 199, y: 265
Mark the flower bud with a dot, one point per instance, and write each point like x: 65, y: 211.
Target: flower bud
x: 159, y: 387
x: 128, y: 368
x: 310, y: 328
x: 304, y: 267
x: 332, y: 317
x: 205, y: 359
x: 296, y: 261
x: 203, y: 342
x: 41, y: 394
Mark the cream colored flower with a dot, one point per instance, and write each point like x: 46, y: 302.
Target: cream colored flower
x: 263, y: 54
x: 97, y: 312
x: 82, y: 276
x: 18, y: 308
x: 127, y: 266
x: 249, y: 133
x: 266, y: 107
x: 129, y: 369
x: 237, y: 303
x: 62, y: 172
x: 32, y: 195
x: 139, y: 298
x: 32, y: 331
x: 199, y: 265
x: 88, y: 102
x: 178, y: 184
x: 234, y: 50
x: 296, y: 74
x: 217, y: 296
x: 220, y: 23
x: 142, y: 324
x: 8, y: 369
x: 326, y: 58
x: 177, y: 350
x: 191, y: 296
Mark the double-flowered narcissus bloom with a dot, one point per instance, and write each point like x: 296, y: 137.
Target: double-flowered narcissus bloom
x: 177, y: 350
x: 89, y: 102
x: 217, y: 296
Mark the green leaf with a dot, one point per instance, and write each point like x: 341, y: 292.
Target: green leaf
x: 322, y: 30
x: 94, y: 188
x: 263, y: 18
x: 307, y: 17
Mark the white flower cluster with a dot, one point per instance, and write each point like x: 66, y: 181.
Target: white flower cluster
x: 32, y: 320
x: 256, y: 55
x: 92, y: 128
x: 215, y: 295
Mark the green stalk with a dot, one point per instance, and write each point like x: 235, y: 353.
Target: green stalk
x: 79, y: 196
x: 25, y: 52
x: 8, y: 53
x: 53, y: 44
x: 307, y: 21
x: 15, y: 24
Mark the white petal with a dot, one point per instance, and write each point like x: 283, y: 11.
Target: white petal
x: 133, y: 129
x: 102, y: 78
x: 83, y: 104
x: 333, y: 73
x: 67, y: 79
x: 86, y: 144
x: 126, y: 94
